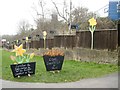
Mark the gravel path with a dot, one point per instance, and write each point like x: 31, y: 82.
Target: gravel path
x: 107, y: 81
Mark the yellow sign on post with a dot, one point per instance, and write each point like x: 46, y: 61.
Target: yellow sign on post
x: 92, y: 23
x: 44, y: 37
x: 16, y: 42
x: 26, y: 39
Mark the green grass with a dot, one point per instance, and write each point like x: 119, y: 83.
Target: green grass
x: 71, y: 71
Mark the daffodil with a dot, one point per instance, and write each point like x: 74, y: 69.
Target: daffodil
x: 19, y: 50
x: 20, y: 57
x: 92, y: 22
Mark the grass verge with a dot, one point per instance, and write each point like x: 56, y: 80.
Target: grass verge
x: 71, y: 70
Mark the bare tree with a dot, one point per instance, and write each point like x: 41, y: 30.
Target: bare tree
x: 40, y: 21
x: 42, y: 4
x: 65, y: 13
x: 23, y: 27
x: 81, y: 16
x: 105, y: 23
x: 61, y: 15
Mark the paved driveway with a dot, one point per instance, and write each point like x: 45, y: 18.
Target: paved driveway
x: 107, y: 81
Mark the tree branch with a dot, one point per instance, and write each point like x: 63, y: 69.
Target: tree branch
x: 62, y: 16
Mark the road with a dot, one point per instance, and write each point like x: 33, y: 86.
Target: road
x: 107, y: 81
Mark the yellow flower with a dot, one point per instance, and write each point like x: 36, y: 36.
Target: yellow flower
x: 92, y: 22
x: 15, y: 63
x: 19, y: 50
x: 26, y: 38
x: 32, y: 55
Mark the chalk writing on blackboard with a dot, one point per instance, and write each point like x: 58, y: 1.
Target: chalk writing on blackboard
x: 53, y: 63
x: 23, y: 69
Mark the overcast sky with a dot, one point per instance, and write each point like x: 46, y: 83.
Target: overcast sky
x: 14, y: 11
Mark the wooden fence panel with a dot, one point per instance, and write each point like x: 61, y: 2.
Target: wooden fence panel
x: 114, y: 40
x: 118, y: 28
x: 40, y: 44
x: 35, y: 44
x: 103, y: 39
x: 100, y: 40
x: 66, y: 41
x: 49, y: 43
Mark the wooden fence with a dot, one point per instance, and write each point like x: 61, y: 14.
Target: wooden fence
x: 40, y: 44
x: 103, y: 39
x: 118, y: 33
x: 66, y: 41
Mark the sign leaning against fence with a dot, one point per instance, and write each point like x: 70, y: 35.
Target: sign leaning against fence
x: 92, y: 26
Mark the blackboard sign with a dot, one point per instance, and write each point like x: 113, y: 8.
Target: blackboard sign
x: 23, y: 69
x: 53, y: 63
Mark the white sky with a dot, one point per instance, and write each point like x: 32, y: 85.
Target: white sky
x: 14, y: 11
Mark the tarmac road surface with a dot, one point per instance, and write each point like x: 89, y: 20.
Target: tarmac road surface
x: 107, y: 81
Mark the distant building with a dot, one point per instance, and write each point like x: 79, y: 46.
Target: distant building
x: 54, y: 17
x: 54, y: 22
x: 114, y: 9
